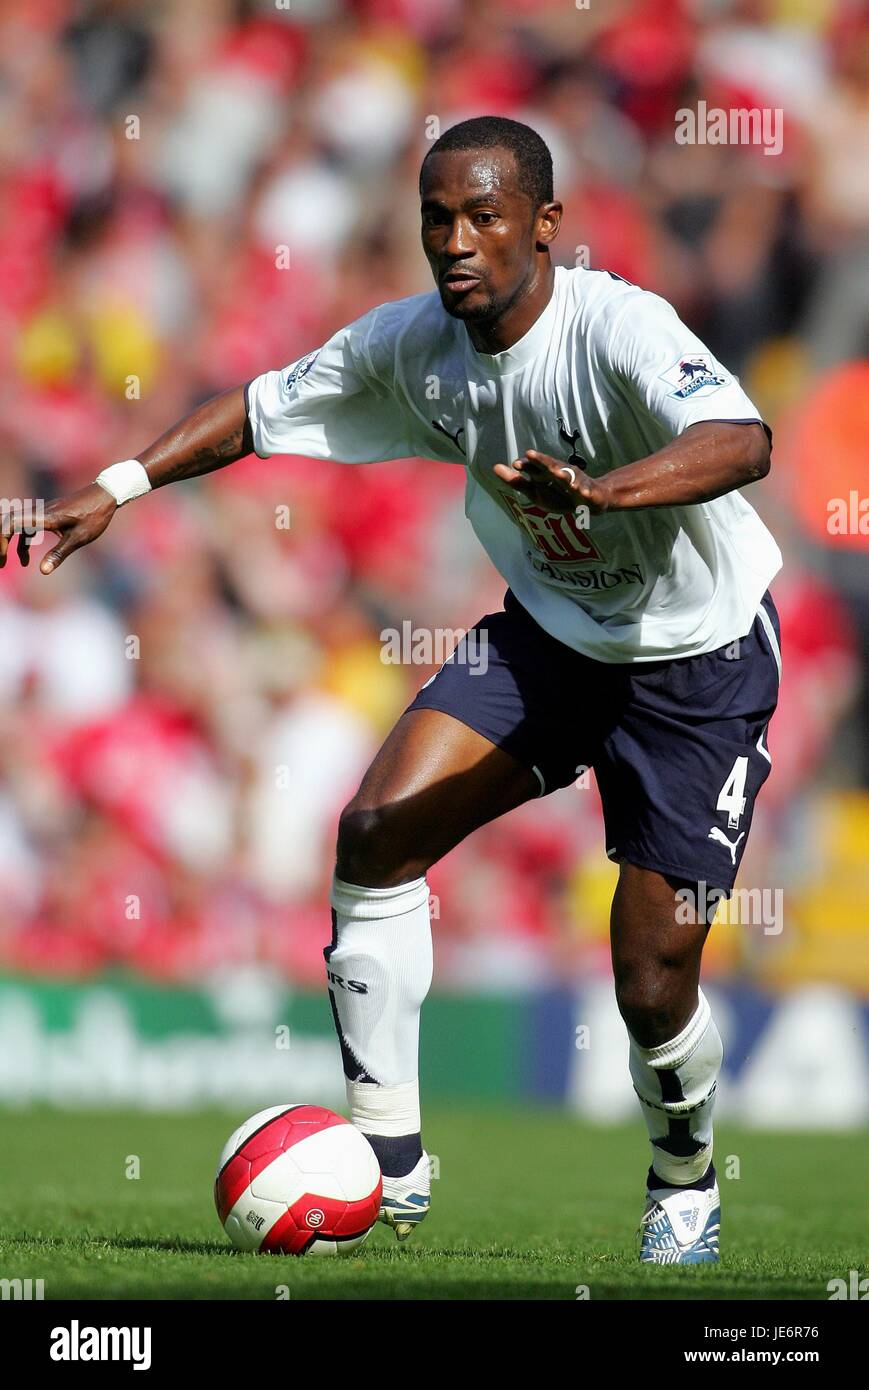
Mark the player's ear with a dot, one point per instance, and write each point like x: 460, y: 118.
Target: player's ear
x: 548, y: 223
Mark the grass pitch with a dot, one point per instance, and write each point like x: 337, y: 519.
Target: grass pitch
x: 529, y: 1204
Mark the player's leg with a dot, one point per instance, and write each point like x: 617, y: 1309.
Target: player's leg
x: 434, y: 781
x: 656, y: 955
x: 679, y: 774
x: 482, y: 736
x: 675, y: 1057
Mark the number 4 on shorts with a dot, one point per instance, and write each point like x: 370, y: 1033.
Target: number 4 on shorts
x: 731, y: 798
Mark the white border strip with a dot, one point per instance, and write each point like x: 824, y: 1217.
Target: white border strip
x: 768, y: 628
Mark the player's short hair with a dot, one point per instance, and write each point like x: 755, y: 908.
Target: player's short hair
x: 533, y: 159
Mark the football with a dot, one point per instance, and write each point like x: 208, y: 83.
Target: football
x: 297, y: 1179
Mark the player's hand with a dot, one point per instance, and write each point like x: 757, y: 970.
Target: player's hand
x: 77, y: 520
x: 553, y: 484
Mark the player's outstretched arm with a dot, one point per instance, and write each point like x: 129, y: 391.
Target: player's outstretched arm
x: 213, y: 435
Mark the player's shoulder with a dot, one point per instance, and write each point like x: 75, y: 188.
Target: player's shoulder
x: 400, y: 328
x: 603, y: 302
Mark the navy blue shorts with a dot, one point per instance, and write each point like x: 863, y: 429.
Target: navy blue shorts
x: 678, y: 747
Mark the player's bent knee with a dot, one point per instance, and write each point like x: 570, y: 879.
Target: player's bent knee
x: 650, y: 1011
x: 373, y: 850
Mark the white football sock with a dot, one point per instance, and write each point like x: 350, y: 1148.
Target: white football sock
x: 379, y: 968
x: 676, y: 1083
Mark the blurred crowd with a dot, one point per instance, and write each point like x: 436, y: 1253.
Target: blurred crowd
x: 195, y: 191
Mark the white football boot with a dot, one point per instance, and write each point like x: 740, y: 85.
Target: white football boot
x: 680, y: 1226
x: 406, y: 1200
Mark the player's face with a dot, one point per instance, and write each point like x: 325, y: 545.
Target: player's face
x: 480, y: 232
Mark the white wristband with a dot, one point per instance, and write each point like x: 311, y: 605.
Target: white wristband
x: 124, y: 481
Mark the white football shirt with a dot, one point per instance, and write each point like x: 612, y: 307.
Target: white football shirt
x: 607, y: 374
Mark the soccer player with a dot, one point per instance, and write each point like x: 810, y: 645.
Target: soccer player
x: 604, y: 449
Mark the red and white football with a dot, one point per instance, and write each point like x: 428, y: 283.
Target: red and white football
x: 297, y: 1178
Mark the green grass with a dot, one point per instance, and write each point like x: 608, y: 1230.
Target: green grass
x: 529, y: 1204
